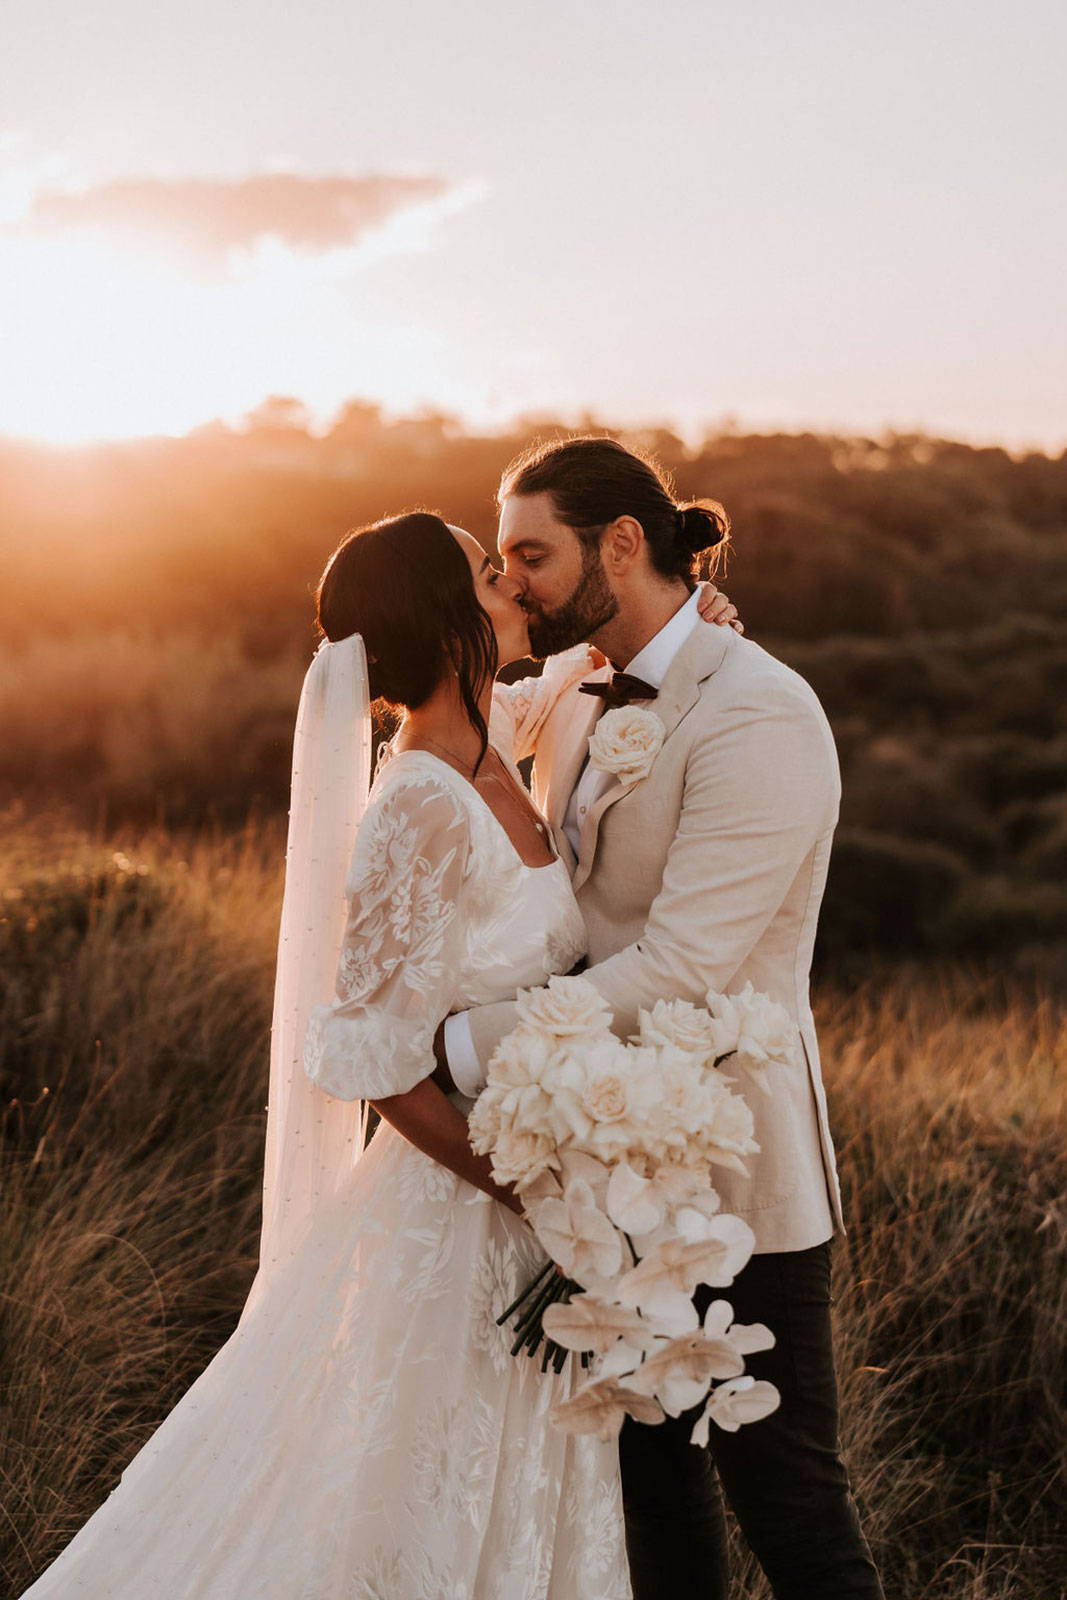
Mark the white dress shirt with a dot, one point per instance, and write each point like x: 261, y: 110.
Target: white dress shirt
x: 650, y: 664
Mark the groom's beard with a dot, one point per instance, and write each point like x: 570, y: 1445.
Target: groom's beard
x: 589, y: 607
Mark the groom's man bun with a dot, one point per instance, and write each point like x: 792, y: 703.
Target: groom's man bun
x: 593, y: 480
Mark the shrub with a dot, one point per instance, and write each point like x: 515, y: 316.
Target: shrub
x: 991, y: 914
x: 884, y: 894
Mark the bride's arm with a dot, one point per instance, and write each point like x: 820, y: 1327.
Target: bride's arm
x: 521, y: 709
x: 430, y: 1121
x: 397, y: 973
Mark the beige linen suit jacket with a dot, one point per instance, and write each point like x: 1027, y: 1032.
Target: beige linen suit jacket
x: 705, y: 874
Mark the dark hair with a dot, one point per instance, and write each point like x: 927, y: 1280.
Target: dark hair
x: 406, y: 586
x: 593, y: 480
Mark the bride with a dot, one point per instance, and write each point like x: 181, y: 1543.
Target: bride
x: 365, y: 1433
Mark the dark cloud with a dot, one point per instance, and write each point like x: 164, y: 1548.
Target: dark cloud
x: 212, y: 217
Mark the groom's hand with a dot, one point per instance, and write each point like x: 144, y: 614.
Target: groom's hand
x: 441, y: 1075
x: 714, y: 606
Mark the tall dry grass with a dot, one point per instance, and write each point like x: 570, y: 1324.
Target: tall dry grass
x: 133, y: 1045
x: 186, y: 724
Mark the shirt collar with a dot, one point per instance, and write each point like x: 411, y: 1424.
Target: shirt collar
x: 653, y: 661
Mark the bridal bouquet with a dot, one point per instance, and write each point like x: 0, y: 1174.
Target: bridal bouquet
x: 613, y: 1146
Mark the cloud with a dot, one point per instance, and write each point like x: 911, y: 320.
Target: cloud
x: 215, y: 218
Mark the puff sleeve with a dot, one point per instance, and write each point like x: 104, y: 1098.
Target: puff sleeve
x: 397, y: 976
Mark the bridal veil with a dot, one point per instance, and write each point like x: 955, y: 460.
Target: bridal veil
x: 313, y: 1140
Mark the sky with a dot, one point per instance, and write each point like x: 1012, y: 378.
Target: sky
x: 788, y: 215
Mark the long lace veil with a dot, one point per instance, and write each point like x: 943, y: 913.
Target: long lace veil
x: 313, y: 1141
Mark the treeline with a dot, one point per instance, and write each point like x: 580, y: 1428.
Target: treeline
x: 157, y: 603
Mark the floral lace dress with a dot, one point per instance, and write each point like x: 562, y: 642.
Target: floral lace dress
x: 366, y: 1434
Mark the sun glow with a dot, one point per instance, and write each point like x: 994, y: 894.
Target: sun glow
x: 107, y: 338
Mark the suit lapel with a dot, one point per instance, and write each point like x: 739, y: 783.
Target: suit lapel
x: 574, y: 717
x: 701, y: 655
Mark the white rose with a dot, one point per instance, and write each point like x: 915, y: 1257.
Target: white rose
x: 485, y: 1123
x: 605, y: 1097
x: 565, y: 1008
x: 518, y: 1079
x: 522, y: 1057
x: 728, y: 1136
x: 606, y: 1094
x: 685, y: 1026
x: 626, y: 742
x: 687, y: 1094
x: 756, y: 1026
x: 566, y: 1116
x: 620, y: 1096
x: 521, y: 1156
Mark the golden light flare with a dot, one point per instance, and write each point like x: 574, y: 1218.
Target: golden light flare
x: 103, y: 336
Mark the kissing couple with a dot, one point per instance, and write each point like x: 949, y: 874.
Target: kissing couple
x: 365, y: 1434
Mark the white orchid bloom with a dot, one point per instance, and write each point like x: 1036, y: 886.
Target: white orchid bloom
x: 621, y: 1361
x: 587, y: 1322
x: 745, y: 1337
x: 693, y: 1223
x: 577, y: 1164
x: 545, y: 1186
x: 671, y: 1187
x: 733, y: 1403
x: 679, y: 1372
x: 601, y: 1407
x: 678, y: 1265
x: 578, y: 1236
x: 634, y: 1204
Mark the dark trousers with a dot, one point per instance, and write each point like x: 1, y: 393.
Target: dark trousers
x: 783, y: 1476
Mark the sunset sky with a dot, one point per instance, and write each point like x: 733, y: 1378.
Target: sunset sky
x: 804, y: 214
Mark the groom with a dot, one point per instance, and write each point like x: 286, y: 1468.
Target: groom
x: 703, y: 873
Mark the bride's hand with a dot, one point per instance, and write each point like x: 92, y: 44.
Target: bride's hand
x: 714, y: 606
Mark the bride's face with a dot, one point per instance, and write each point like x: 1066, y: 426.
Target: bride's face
x: 499, y: 598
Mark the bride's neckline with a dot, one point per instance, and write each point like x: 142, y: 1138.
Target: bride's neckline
x: 528, y: 866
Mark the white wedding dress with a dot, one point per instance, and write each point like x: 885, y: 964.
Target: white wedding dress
x: 366, y: 1434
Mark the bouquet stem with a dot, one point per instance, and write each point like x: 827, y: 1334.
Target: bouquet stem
x: 548, y: 1287
x: 530, y: 1321
x: 548, y: 1267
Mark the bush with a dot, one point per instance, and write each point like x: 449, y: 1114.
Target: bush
x: 992, y: 914
x: 884, y: 894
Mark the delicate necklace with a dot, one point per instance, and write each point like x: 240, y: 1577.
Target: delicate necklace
x: 490, y: 777
x: 465, y: 765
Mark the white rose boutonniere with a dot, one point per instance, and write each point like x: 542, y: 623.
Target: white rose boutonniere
x: 626, y: 742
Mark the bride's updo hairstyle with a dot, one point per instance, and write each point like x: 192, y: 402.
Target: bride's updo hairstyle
x: 406, y: 586
x: 593, y: 481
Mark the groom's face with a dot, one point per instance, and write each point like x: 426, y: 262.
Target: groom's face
x: 564, y: 587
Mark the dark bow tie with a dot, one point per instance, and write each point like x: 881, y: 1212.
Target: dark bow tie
x: 619, y: 690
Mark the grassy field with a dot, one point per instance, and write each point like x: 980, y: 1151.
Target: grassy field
x: 133, y: 1052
